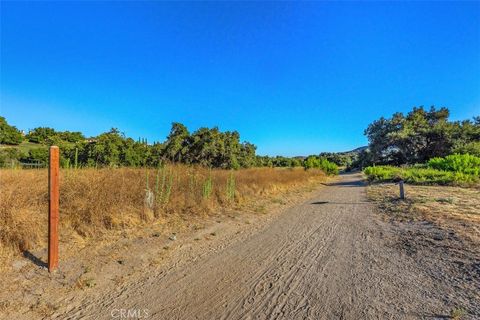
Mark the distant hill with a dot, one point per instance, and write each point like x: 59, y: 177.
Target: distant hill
x: 357, y: 150
x: 353, y: 152
x: 343, y: 159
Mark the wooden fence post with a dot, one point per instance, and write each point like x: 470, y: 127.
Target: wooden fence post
x: 53, y: 207
x: 402, y: 192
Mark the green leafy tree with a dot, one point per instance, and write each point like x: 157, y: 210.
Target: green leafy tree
x: 339, y: 158
x: 9, y: 134
x: 175, y: 146
x: 156, y: 155
x: 233, y: 155
x: 472, y: 148
x: 41, y: 134
x: 205, y: 147
x: 106, y: 150
x: 69, y: 136
x: 419, y: 136
x: 246, y: 157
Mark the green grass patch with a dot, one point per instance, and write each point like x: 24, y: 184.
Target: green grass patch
x: 455, y: 169
x: 24, y: 147
x: 414, y: 175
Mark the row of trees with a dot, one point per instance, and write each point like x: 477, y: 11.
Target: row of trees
x: 401, y: 139
x: 417, y: 137
x: 49, y: 136
x: 342, y: 159
x: 206, y: 146
x: 320, y: 163
x: 279, y: 161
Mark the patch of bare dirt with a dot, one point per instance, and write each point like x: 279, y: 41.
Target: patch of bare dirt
x: 439, y: 228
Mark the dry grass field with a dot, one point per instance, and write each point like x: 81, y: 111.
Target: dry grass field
x: 100, y: 203
x: 438, y: 227
x: 447, y: 207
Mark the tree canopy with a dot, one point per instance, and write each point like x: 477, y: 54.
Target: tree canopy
x: 48, y: 135
x: 418, y: 136
x: 206, y: 146
x: 9, y: 134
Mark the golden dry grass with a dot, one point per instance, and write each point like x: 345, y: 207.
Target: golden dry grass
x: 99, y: 202
x: 448, y: 207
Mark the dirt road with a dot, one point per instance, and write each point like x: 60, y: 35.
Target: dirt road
x: 324, y: 259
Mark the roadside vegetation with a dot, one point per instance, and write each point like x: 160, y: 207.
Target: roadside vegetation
x: 111, y: 183
x: 208, y: 147
x: 320, y: 163
x: 463, y: 163
x: 423, y: 147
x: 417, y: 137
x: 99, y: 202
x: 452, y: 170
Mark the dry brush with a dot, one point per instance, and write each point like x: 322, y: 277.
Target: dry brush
x: 94, y: 202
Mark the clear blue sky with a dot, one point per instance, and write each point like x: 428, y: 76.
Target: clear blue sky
x: 293, y: 78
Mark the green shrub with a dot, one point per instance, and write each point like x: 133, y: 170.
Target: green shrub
x: 10, y: 157
x: 420, y: 175
x: 464, y: 163
x: 321, y: 163
x: 36, y: 155
x: 453, y: 169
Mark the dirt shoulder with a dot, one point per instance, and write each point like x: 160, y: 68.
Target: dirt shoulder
x: 439, y: 228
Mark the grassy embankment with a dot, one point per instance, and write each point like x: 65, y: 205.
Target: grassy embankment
x: 104, y: 202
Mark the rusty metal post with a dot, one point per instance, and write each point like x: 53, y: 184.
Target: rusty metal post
x: 402, y: 192
x: 53, y: 207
